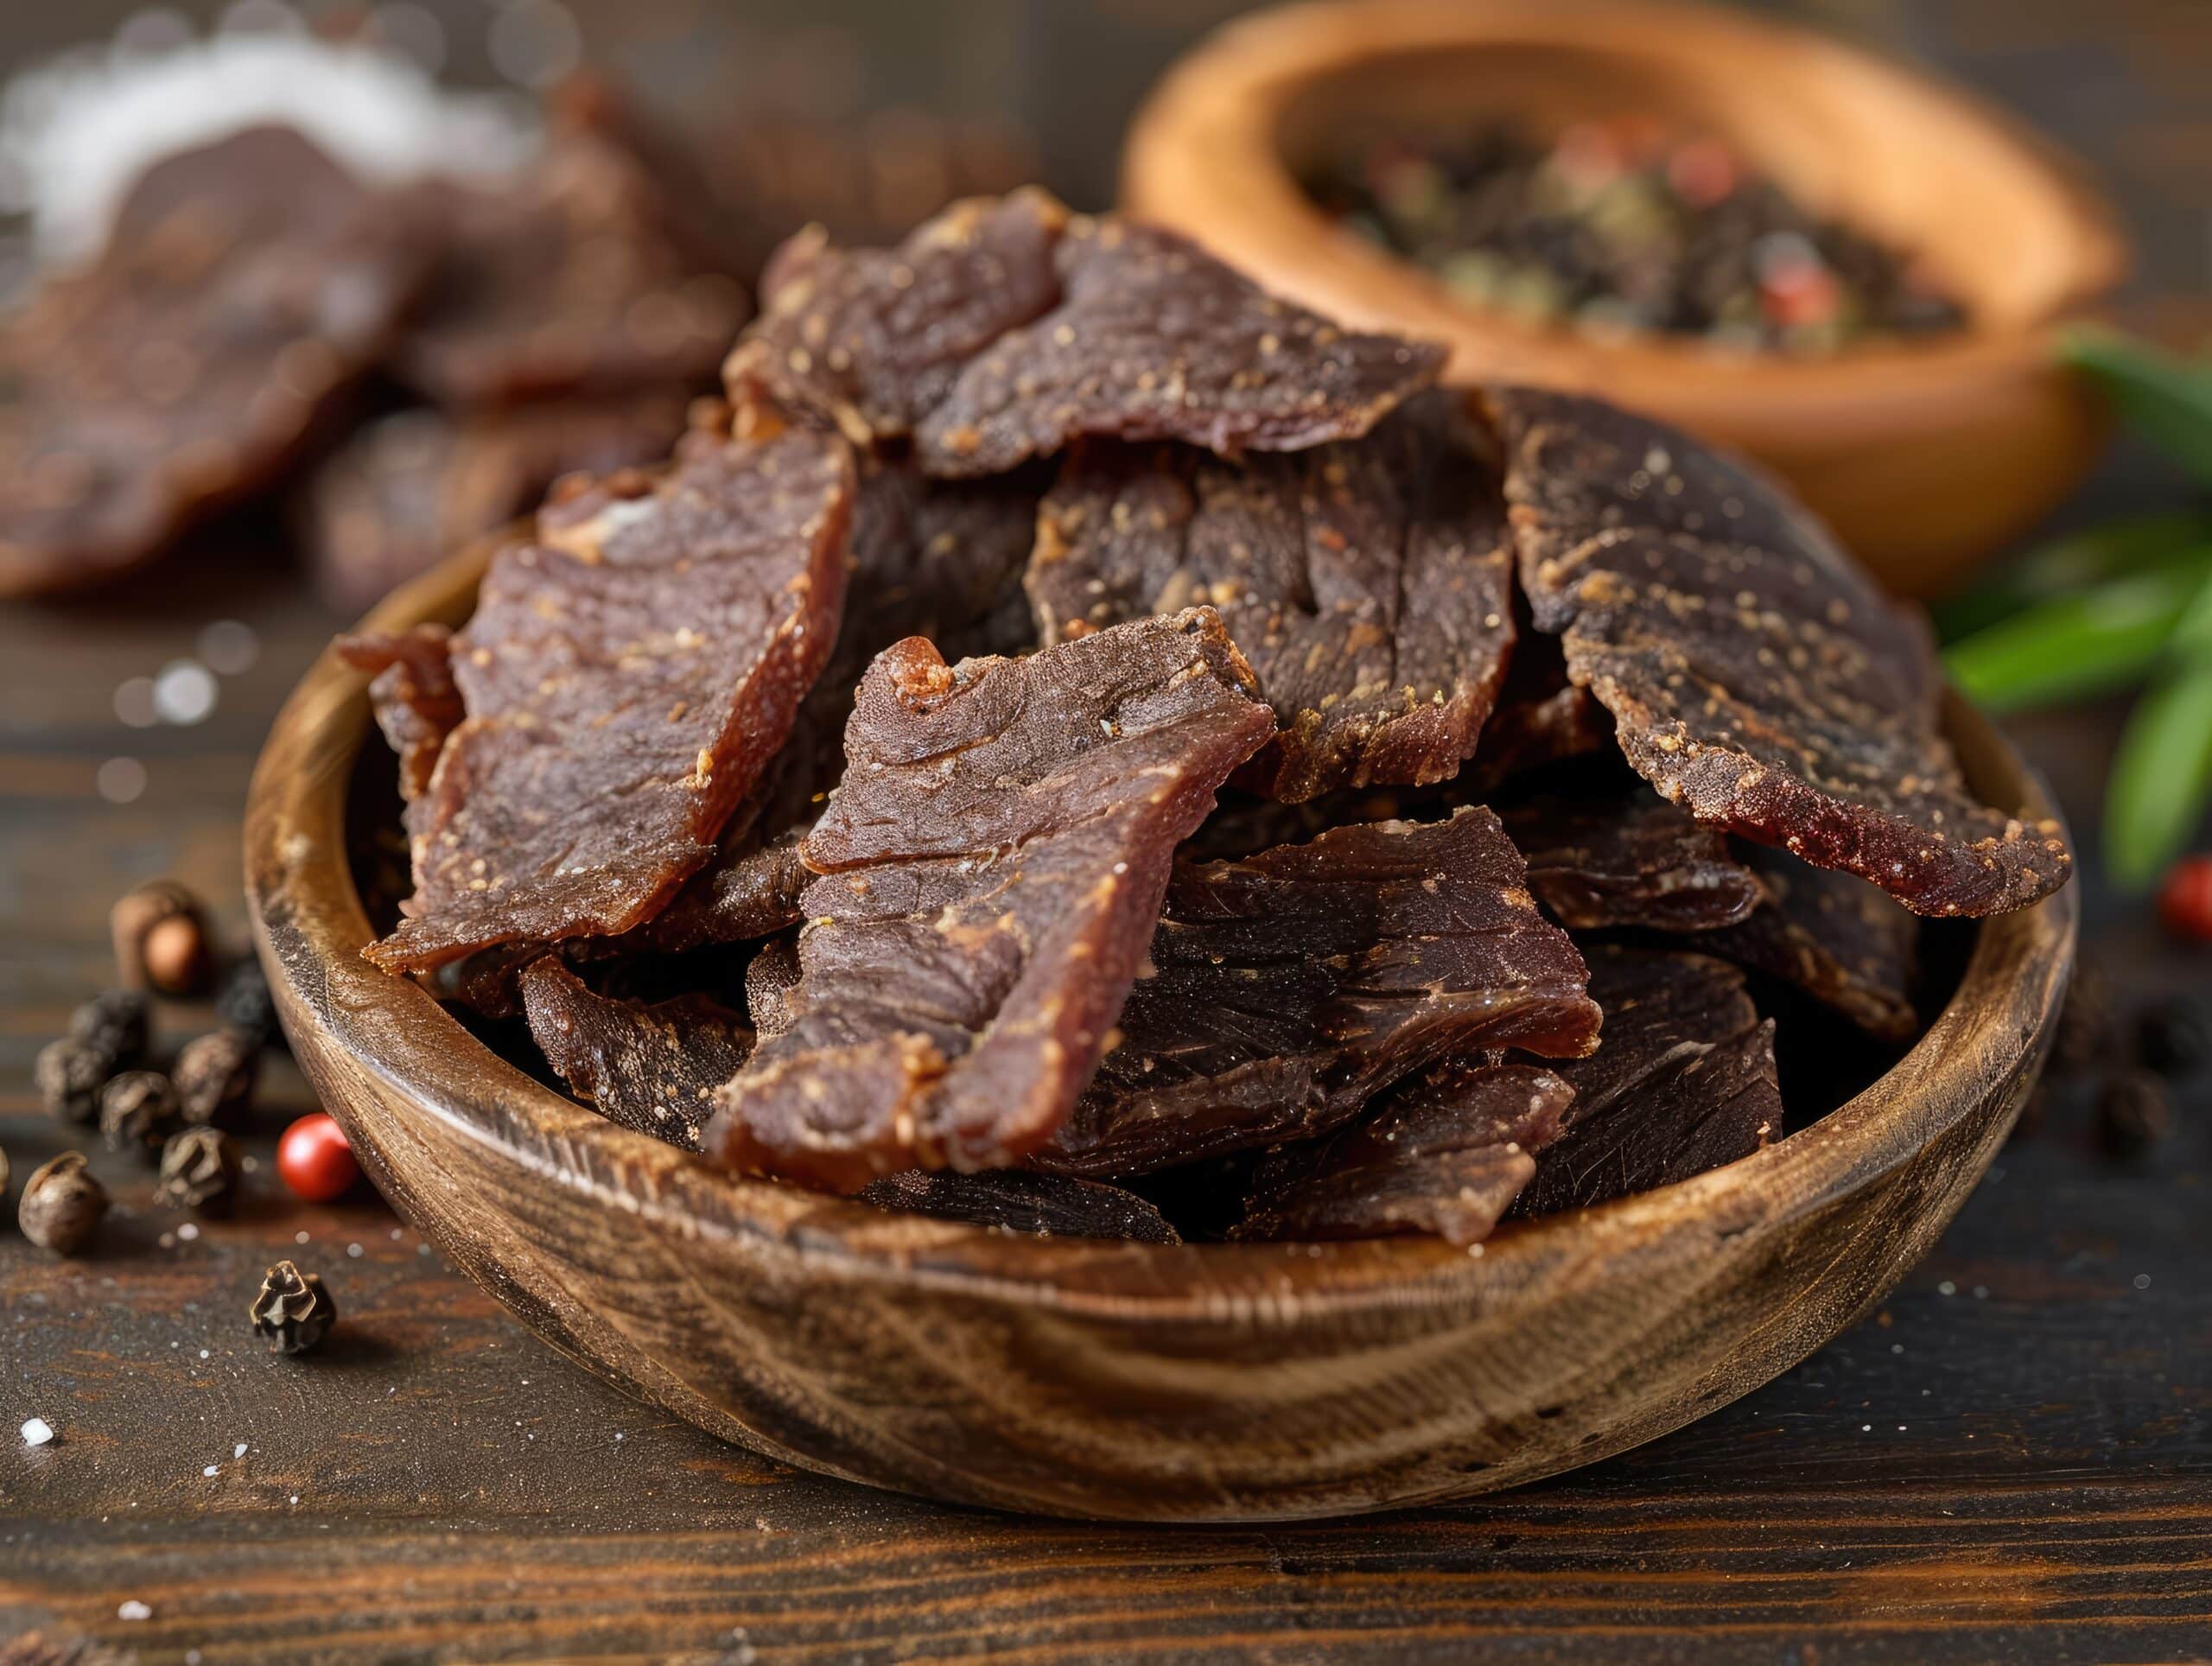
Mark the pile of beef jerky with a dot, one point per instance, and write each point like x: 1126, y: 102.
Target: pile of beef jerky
x: 1073, y: 734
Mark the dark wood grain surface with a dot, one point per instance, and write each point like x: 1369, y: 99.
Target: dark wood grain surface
x: 2013, y: 1460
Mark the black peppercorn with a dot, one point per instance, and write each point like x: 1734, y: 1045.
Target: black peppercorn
x: 293, y: 1310
x: 116, y: 1024
x: 70, y: 1074
x: 2087, y: 1039
x: 199, y: 1171
x: 2171, y: 1036
x: 2132, y: 1112
x: 215, y: 1076
x: 160, y: 940
x: 61, y: 1203
x: 244, y: 1002
x: 138, y: 1110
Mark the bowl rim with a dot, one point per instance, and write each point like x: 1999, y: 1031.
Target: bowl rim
x: 309, y: 928
x: 1232, y: 86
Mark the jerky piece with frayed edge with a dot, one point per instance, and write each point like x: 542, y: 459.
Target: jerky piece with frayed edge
x: 1012, y: 1200
x: 652, y: 1068
x: 1371, y: 584
x: 1539, y: 717
x: 1004, y: 328
x: 629, y: 673
x: 993, y: 863
x: 246, y: 288
x: 1683, y: 1080
x: 1840, y: 940
x: 1286, y: 990
x: 1630, y: 860
x: 1444, y: 1153
x: 412, y: 691
x: 1755, y: 675
x: 411, y: 488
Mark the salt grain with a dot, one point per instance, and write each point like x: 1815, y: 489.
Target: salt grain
x: 211, y: 1470
x: 37, y: 1432
x: 133, y: 1610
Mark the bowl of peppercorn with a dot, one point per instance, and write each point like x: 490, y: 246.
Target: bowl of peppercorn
x: 1848, y: 271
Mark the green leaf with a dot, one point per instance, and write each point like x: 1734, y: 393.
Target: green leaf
x: 2161, y: 779
x: 2112, y: 550
x: 2165, y: 399
x: 2110, y: 636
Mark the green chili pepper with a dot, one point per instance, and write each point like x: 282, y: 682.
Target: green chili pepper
x: 2098, y: 639
x: 2165, y: 399
x: 2113, y: 550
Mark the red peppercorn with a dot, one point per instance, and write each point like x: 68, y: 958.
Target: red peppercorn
x: 1703, y: 172
x: 2186, y: 899
x: 315, y: 1159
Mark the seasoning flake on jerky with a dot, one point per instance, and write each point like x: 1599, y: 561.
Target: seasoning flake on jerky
x: 1371, y: 583
x: 1630, y: 860
x: 629, y: 673
x: 1003, y: 328
x: 1012, y: 1200
x: 245, y: 288
x: 412, y: 691
x: 1286, y: 990
x: 1683, y: 1080
x: 411, y: 488
x: 652, y: 1068
x: 1755, y: 675
x: 1840, y: 940
x: 993, y: 866
x: 770, y: 977
x: 1444, y: 1153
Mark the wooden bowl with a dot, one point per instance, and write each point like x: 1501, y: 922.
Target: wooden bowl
x: 1924, y: 457
x: 1201, y: 1382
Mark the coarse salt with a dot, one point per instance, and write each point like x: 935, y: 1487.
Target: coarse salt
x: 37, y: 1432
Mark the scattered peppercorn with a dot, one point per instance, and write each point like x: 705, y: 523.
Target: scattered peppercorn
x: 138, y: 1110
x: 2186, y: 899
x: 293, y: 1311
x: 2132, y: 1112
x: 2172, y: 1037
x: 69, y: 1074
x: 313, y: 1159
x: 199, y: 1171
x: 161, y: 940
x: 61, y: 1203
x: 245, y: 1004
x: 117, y: 1025
x: 2087, y: 1037
x: 215, y: 1075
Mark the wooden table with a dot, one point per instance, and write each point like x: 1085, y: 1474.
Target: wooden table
x: 2011, y: 1461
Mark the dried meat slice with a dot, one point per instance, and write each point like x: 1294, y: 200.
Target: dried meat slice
x: 629, y: 674
x: 1755, y: 676
x: 1286, y: 990
x: 749, y: 890
x: 769, y: 981
x: 246, y: 288
x: 653, y: 1069
x: 994, y: 864
x: 413, y: 487
x: 1840, y: 940
x: 1682, y: 1081
x: 1371, y: 584
x: 412, y: 691
x: 1012, y: 1200
x: 1539, y: 717
x: 1630, y: 860
x: 1002, y: 329
x: 1444, y: 1153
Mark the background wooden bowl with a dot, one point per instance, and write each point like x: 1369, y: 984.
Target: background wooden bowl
x: 1924, y: 457
x: 1221, y: 1382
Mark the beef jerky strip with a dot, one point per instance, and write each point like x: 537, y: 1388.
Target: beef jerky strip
x: 1444, y: 1153
x: 994, y: 864
x: 1840, y: 940
x: 1755, y: 677
x: 413, y: 487
x: 653, y: 1069
x: 1004, y: 328
x: 246, y: 288
x: 769, y: 980
x: 1630, y: 860
x: 1371, y: 584
x: 628, y: 675
x: 1288, y: 988
x: 1682, y: 1081
x: 579, y: 276
x: 412, y: 691
x: 1539, y: 717
x: 1045, y: 1205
